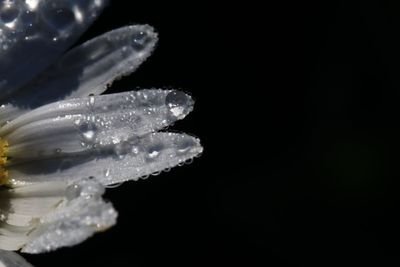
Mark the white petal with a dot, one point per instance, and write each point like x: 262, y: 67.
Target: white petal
x: 74, y: 220
x: 128, y: 160
x: 96, y: 122
x: 91, y: 67
x: 21, y: 209
x: 33, y: 36
x: 45, y: 216
x: 21, y: 205
x: 154, y: 106
x: 12, y: 259
x: 9, y: 112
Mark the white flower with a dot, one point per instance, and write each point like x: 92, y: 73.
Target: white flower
x: 61, y: 142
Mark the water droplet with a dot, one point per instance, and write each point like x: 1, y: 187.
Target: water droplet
x: 114, y: 185
x: 140, y: 40
x: 89, y: 134
x: 144, y: 176
x: 90, y: 102
x: 73, y: 191
x: 88, y: 131
x: 153, y: 154
x: 176, y: 98
x: 122, y: 148
x: 135, y: 150
x: 8, y: 11
x: 154, y: 151
x: 106, y: 172
x: 60, y: 18
x: 177, y: 102
x: 189, y: 161
x: 184, y: 146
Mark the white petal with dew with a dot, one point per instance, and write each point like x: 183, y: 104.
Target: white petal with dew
x: 77, y: 125
x: 74, y: 220
x: 128, y: 160
x: 45, y: 216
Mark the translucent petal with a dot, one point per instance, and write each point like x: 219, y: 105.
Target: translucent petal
x: 35, y: 33
x: 89, y: 68
x: 128, y: 160
x: 95, y: 122
x: 12, y: 259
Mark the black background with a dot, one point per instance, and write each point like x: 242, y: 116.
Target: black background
x: 297, y: 107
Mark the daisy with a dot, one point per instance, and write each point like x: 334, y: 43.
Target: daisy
x: 61, y: 142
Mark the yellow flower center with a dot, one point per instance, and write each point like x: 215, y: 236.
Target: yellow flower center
x: 3, y: 160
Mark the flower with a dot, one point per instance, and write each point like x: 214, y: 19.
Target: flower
x: 61, y: 142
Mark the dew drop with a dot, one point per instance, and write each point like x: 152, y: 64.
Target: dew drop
x: 144, y: 177
x: 176, y: 98
x: 135, y: 150
x: 114, y: 185
x: 177, y: 103
x: 184, y: 146
x: 153, y: 154
x: 189, y: 161
x: 154, y: 151
x: 60, y: 18
x: 88, y: 131
x: 121, y: 149
x: 8, y: 11
x: 90, y: 102
x: 140, y: 40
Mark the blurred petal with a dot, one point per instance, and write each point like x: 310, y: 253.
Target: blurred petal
x: 33, y: 34
x: 90, y: 68
x: 127, y: 160
x: 12, y: 259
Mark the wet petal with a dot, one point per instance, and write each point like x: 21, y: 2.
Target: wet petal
x: 99, y: 121
x: 128, y: 160
x: 90, y: 68
x: 83, y: 214
x: 35, y: 33
x: 45, y: 216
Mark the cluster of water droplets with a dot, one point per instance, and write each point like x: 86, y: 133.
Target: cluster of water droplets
x: 140, y: 114
x: 37, y: 32
x: 119, y: 124
x: 23, y: 20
